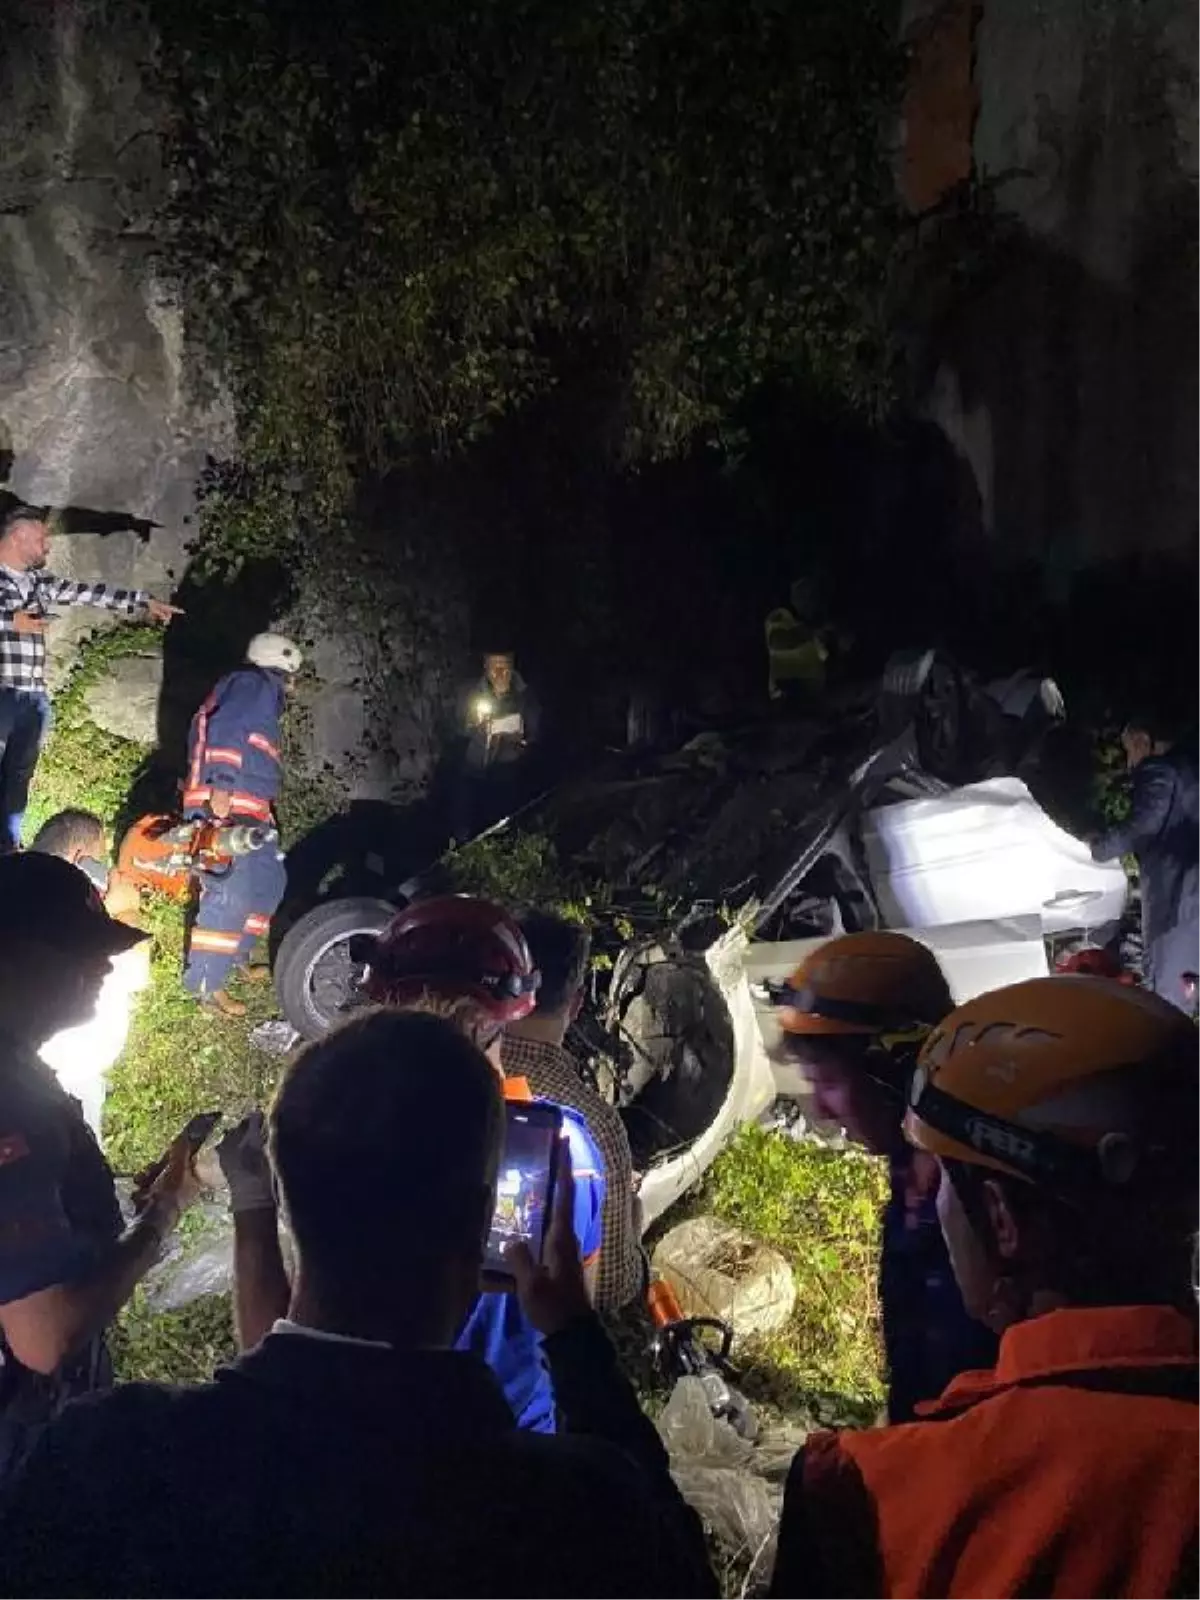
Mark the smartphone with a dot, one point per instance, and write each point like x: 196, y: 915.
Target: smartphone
x: 200, y: 1130
x: 525, y: 1190
x: 195, y: 1133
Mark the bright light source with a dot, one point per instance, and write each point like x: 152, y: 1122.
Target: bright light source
x: 482, y: 708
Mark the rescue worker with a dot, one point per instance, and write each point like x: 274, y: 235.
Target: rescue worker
x: 796, y: 653
x: 466, y: 960
x: 1062, y: 1114
x: 28, y: 595
x: 853, y: 1016
x: 1162, y: 833
x: 500, y: 724
x: 233, y: 777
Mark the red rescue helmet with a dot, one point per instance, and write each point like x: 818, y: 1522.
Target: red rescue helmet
x: 456, y: 947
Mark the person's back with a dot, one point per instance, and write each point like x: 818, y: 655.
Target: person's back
x: 1062, y: 1114
x: 1071, y: 1469
x: 327, y: 1467
x: 1166, y: 787
x: 1163, y: 832
x: 352, y: 1451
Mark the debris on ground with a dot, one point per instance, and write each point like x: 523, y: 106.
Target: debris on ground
x: 719, y: 1270
x: 735, y: 1487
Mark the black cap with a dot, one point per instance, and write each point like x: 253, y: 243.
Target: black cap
x: 45, y: 898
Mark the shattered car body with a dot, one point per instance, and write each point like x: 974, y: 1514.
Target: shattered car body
x: 718, y: 865
x: 981, y: 874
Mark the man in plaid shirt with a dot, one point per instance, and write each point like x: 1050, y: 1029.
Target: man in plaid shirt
x: 533, y: 1049
x: 27, y: 595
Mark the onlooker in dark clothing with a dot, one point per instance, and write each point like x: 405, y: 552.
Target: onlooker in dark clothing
x: 464, y: 959
x: 353, y: 1452
x: 1062, y: 1116
x: 502, y: 715
x: 533, y: 1049
x: 81, y: 1056
x: 853, y: 1017
x: 500, y: 724
x: 65, y: 1266
x: 1163, y: 833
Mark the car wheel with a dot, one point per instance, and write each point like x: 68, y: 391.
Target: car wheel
x: 317, y: 973
x: 677, y: 1037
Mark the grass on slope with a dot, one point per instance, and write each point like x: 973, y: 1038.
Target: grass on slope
x: 821, y: 1209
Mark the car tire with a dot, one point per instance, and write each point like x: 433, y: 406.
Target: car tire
x: 675, y: 1028
x: 323, y: 932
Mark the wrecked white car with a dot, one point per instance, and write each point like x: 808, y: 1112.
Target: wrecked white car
x: 720, y: 864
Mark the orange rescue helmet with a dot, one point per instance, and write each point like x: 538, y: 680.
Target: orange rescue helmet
x: 1063, y: 1081
x: 864, y: 984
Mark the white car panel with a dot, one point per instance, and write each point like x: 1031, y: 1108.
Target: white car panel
x: 984, y: 852
x: 980, y: 874
x: 751, y: 1091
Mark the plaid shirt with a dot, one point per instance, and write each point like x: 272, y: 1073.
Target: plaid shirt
x: 23, y: 655
x: 552, y: 1075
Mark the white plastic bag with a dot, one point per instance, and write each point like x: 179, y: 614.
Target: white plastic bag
x: 737, y: 1488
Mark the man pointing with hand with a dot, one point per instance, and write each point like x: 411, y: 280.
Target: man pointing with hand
x: 28, y: 595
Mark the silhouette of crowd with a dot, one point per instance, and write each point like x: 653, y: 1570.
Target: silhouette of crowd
x: 408, y: 1416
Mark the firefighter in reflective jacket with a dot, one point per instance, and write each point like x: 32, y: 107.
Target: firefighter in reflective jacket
x: 233, y: 776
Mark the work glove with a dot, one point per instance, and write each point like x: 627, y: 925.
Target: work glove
x: 242, y: 1153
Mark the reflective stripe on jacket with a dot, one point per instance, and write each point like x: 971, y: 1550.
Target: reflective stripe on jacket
x: 1070, y: 1468
x: 234, y: 744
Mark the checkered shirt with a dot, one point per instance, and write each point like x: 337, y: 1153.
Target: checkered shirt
x: 23, y: 655
x: 553, y: 1075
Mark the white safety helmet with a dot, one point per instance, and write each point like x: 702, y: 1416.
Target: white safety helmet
x: 273, y: 651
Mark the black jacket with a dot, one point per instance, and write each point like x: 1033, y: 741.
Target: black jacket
x: 1162, y: 832
x: 310, y: 1467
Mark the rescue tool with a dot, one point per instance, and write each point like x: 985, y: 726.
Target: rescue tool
x: 163, y: 853
x: 681, y: 1351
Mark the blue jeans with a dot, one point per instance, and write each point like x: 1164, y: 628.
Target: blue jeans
x: 24, y: 724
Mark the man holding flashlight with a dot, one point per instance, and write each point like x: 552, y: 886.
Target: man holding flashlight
x: 501, y: 724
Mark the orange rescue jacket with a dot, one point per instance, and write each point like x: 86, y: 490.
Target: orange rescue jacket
x: 1069, y: 1469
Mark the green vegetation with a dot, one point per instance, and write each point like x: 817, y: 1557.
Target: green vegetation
x: 1110, y: 782
x: 519, y: 869
x: 397, y: 227
x: 184, y: 1346
x: 179, y: 1059
x: 81, y: 764
x: 821, y: 1209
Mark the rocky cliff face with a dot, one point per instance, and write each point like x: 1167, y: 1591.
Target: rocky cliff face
x: 100, y: 419
x: 96, y: 420
x: 1050, y: 149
